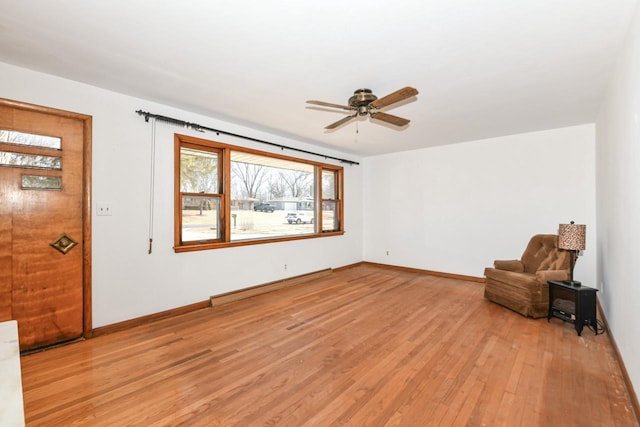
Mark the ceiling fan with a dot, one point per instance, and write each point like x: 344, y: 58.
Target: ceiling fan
x: 364, y: 102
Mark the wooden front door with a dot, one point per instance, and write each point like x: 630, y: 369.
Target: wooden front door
x: 44, y: 223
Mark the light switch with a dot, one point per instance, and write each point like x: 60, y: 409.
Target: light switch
x: 104, y: 209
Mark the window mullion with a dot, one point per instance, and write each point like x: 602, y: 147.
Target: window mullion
x: 225, y: 180
x: 318, y: 197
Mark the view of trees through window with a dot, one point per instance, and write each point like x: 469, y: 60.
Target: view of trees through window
x: 260, y: 197
x: 259, y: 177
x: 265, y: 191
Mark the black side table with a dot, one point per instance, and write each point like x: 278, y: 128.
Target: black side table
x: 575, y: 304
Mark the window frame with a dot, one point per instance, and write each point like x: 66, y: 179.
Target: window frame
x: 223, y: 151
x: 179, y: 193
x: 338, y: 188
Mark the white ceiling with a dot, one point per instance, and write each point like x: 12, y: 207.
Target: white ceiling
x: 483, y: 68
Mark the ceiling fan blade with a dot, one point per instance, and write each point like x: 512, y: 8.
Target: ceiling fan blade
x: 328, y: 104
x: 392, y: 98
x: 340, y: 122
x: 390, y: 118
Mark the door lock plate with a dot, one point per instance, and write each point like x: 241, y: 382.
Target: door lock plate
x: 64, y: 243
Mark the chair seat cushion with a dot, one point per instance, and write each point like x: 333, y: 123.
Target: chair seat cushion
x: 512, y: 278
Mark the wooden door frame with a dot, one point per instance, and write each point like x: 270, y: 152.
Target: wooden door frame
x: 87, y: 329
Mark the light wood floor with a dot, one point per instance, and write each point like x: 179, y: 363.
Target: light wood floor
x: 364, y: 346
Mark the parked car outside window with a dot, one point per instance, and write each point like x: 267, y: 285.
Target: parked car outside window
x: 300, y: 218
x: 263, y: 207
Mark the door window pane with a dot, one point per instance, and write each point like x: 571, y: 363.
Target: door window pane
x: 21, y: 138
x: 37, y: 182
x: 21, y: 160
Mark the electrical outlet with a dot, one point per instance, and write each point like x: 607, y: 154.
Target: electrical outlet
x: 285, y: 267
x: 387, y: 253
x: 104, y: 209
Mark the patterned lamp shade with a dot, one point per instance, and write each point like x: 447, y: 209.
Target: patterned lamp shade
x: 572, y: 236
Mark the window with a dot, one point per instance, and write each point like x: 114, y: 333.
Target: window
x: 330, y: 202
x: 229, y: 196
x: 200, y: 195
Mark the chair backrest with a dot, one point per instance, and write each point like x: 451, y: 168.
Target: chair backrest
x: 542, y: 253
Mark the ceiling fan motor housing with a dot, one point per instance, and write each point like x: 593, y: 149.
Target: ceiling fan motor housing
x: 361, y: 99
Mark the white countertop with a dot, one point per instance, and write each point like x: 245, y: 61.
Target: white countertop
x: 11, y: 404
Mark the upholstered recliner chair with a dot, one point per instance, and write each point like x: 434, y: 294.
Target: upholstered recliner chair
x: 521, y: 285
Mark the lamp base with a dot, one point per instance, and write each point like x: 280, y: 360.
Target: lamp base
x: 572, y: 283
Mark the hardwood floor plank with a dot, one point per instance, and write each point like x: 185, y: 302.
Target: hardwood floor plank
x: 362, y: 346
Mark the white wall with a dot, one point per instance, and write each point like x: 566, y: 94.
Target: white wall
x: 618, y: 203
x: 127, y: 281
x: 457, y: 208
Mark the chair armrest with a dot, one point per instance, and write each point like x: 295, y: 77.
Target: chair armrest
x: 514, y: 265
x: 545, y: 275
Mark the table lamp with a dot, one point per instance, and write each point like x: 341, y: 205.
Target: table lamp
x: 572, y: 237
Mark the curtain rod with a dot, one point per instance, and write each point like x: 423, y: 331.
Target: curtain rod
x: 201, y: 128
